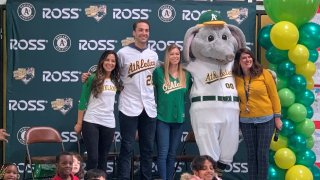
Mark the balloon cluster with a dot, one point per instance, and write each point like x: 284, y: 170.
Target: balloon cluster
x: 291, y: 50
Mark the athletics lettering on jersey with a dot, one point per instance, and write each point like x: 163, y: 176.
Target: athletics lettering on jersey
x: 109, y: 88
x: 140, y: 66
x: 172, y: 87
x: 214, y: 76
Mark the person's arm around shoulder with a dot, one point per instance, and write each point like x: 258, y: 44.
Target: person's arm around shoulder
x: 84, y: 99
x: 4, y: 135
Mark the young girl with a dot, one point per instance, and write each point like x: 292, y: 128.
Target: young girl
x: 77, y: 166
x: 9, y: 171
x: 171, y: 86
x: 97, y: 99
x: 203, y: 168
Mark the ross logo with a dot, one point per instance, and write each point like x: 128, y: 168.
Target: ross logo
x: 238, y: 14
x: 64, y: 13
x: 101, y: 45
x: 192, y: 15
x: 166, y: 13
x: 31, y: 44
x: 96, y: 12
x: 62, y: 105
x: 62, y: 43
x: 27, y: 105
x: 161, y: 45
x: 63, y: 76
x: 21, y: 133
x: 24, y: 74
x: 69, y: 136
x: 26, y: 11
x: 130, y: 13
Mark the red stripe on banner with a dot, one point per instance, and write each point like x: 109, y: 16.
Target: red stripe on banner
x: 318, y: 164
x: 317, y: 124
x: 318, y: 10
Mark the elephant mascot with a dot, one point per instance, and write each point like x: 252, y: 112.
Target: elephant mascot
x: 209, y: 51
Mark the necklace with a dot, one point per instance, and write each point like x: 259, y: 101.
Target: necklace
x: 247, y: 90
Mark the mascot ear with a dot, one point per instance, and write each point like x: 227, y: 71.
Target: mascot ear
x: 238, y: 34
x: 188, y: 37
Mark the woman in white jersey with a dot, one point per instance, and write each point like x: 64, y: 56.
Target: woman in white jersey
x: 96, y: 118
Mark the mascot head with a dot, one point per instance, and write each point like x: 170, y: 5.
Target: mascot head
x: 212, y: 40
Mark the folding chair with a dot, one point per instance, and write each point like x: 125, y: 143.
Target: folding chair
x: 183, y: 157
x: 36, y: 135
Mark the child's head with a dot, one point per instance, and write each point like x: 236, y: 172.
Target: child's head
x: 9, y: 171
x: 77, y: 167
x: 64, y: 163
x: 95, y: 174
x: 204, y: 167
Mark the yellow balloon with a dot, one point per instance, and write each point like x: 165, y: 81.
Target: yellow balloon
x: 307, y: 70
x: 310, y: 83
x: 284, y: 158
x: 284, y: 35
x: 299, y: 172
x: 298, y: 55
x: 281, y: 143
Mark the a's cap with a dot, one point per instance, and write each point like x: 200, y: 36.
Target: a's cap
x: 211, y: 17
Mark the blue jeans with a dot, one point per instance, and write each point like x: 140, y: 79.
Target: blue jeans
x: 146, y: 129
x: 168, y: 139
x: 97, y: 140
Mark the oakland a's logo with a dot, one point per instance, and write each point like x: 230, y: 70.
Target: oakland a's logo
x: 62, y: 105
x: 62, y: 43
x: 166, y: 13
x: 24, y: 74
x: 21, y: 133
x: 26, y: 11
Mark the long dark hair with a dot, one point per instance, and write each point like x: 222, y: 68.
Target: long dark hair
x: 256, y: 68
x: 97, y: 83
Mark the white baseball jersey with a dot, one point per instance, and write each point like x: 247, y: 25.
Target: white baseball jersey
x: 136, y: 67
x: 214, y: 110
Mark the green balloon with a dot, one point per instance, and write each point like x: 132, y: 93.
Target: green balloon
x: 284, y: 113
x: 275, y: 173
x: 286, y: 69
x: 297, y: 112
x: 313, y: 55
x: 273, y: 67
x: 309, y: 35
x: 305, y: 127
x: 306, y: 157
x: 306, y: 97
x: 282, y: 82
x: 297, y: 83
x: 271, y: 156
x: 276, y: 56
x: 296, y: 11
x: 309, y: 112
x: 315, y: 172
x: 310, y: 142
x: 286, y: 96
x: 264, y: 36
x: 288, y: 127
x: 297, y: 143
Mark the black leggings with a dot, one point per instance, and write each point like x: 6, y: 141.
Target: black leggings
x: 97, y: 140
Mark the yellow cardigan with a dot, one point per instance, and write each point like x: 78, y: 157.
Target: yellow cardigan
x: 263, y: 96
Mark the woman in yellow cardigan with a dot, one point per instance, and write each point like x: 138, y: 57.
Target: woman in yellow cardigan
x: 260, y: 111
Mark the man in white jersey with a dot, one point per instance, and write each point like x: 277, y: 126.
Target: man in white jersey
x: 136, y: 102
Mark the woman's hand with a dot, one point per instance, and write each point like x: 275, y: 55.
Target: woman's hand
x: 278, y: 123
x: 77, y: 128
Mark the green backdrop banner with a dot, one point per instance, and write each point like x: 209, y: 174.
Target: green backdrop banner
x: 50, y: 43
